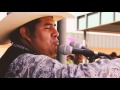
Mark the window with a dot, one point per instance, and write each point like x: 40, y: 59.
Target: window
x: 107, y: 17
x: 81, y: 22
x: 93, y: 19
x: 117, y: 16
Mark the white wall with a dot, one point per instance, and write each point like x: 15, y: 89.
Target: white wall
x: 2, y: 15
x: 72, y: 23
x: 3, y: 48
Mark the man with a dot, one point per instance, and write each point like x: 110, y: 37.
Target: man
x: 70, y: 59
x: 113, y: 55
x: 34, y: 47
x: 78, y: 58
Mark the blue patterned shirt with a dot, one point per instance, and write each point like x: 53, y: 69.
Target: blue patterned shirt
x: 41, y: 66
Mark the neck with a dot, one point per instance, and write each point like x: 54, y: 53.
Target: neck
x: 25, y: 44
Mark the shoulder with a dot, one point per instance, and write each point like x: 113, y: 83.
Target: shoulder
x: 30, y: 65
x: 31, y: 58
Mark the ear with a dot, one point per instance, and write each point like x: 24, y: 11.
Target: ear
x: 25, y: 33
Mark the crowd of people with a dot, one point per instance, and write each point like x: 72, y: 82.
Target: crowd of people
x: 79, y: 58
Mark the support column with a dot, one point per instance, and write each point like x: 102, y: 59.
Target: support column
x: 85, y: 44
x: 85, y: 38
x: 61, y: 27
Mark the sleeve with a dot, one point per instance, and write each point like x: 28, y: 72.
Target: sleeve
x: 103, y: 68
x: 41, y: 66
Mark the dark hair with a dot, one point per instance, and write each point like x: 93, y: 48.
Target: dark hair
x: 113, y: 54
x: 71, y: 56
x: 15, y: 35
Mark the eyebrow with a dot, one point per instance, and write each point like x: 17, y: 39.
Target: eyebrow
x: 46, y: 24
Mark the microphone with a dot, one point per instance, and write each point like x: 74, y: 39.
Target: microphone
x: 77, y: 45
x: 67, y: 49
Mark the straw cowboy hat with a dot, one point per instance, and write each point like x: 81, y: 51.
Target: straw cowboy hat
x: 16, y: 19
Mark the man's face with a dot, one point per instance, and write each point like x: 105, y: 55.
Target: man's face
x: 45, y: 40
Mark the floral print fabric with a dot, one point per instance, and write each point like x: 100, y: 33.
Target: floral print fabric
x: 41, y: 66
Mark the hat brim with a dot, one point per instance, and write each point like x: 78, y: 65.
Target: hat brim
x: 16, y: 19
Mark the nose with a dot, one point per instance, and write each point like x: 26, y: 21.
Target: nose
x: 55, y: 33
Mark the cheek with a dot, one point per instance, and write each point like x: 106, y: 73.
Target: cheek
x: 43, y: 38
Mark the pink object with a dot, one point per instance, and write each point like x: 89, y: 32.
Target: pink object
x: 69, y: 40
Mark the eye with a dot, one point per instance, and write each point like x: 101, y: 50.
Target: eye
x: 47, y: 27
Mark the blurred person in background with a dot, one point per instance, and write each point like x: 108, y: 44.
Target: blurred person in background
x: 70, y: 59
x: 113, y: 55
x: 78, y: 59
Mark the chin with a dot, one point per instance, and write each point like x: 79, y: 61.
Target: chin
x: 54, y: 56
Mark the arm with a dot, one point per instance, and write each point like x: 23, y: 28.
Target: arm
x: 40, y: 66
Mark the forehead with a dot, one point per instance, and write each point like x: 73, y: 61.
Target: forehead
x: 45, y: 21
